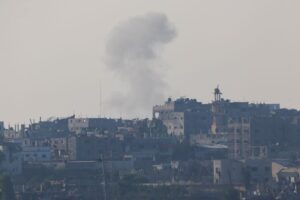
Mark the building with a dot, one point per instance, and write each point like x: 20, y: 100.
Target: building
x: 11, y: 134
x: 184, y: 117
x: 250, y: 172
x: 83, y: 125
x: 58, y: 144
x: 78, y: 125
x: 285, y: 171
x: 228, y: 172
x: 36, y: 154
x: 239, y: 138
x: 240, y: 145
x: 87, y: 148
x: 259, y: 171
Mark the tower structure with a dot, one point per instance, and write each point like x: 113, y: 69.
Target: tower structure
x: 217, y: 94
x: 219, y: 122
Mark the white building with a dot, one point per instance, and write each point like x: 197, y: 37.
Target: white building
x: 36, y: 154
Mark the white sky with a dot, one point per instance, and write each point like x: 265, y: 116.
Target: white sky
x: 51, y: 53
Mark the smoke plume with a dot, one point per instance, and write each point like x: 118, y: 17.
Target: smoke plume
x: 133, y: 54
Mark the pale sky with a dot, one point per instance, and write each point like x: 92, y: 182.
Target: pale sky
x: 51, y: 53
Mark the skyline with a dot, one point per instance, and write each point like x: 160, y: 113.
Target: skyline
x: 102, y: 115
x: 51, y: 53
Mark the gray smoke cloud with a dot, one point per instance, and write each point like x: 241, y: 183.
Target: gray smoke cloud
x: 133, y: 53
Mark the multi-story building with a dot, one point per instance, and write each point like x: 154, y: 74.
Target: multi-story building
x: 255, y: 172
x: 225, y: 110
x: 36, y: 154
x: 11, y: 134
x: 77, y: 125
x: 227, y: 172
x: 239, y: 146
x: 91, y: 148
x: 183, y: 117
x: 240, y: 142
x: 83, y: 125
x: 259, y: 171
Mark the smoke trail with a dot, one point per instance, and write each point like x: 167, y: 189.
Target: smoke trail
x: 132, y: 52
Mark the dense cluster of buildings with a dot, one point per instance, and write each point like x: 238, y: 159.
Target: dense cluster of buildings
x: 251, y: 148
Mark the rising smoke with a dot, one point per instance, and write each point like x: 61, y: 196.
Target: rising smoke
x: 133, y: 54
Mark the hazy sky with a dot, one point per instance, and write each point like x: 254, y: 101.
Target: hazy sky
x: 51, y: 53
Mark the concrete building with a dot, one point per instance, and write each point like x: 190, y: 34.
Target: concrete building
x: 285, y: 171
x: 239, y: 138
x: 224, y: 110
x: 259, y: 171
x: 11, y: 134
x: 184, y: 117
x: 83, y: 125
x: 78, y: 125
x: 49, y: 127
x: 87, y: 148
x: 240, y: 145
x: 228, y: 172
x: 58, y: 144
x: 36, y: 154
x: 255, y: 172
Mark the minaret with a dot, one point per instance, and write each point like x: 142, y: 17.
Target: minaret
x: 219, y: 125
x: 217, y: 94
